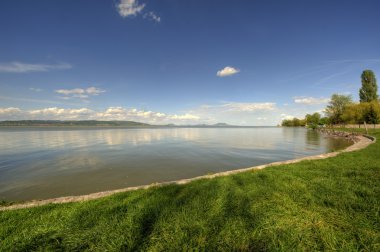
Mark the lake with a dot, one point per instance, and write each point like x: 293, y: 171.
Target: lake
x: 40, y: 163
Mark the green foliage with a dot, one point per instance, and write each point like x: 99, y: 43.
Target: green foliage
x: 354, y: 113
x: 368, y: 91
x: 368, y: 112
x: 5, y: 203
x: 287, y: 123
x: 337, y: 106
x: 324, y: 121
x: 342, y: 110
x: 295, y: 122
x: 372, y: 112
x: 319, y: 205
x: 313, y: 120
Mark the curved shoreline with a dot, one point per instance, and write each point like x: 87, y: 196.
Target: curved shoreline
x: 363, y: 141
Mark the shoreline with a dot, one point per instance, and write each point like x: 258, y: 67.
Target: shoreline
x: 362, y: 141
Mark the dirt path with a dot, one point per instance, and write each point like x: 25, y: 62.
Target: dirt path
x: 363, y: 141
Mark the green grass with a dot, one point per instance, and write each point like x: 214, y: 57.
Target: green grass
x: 330, y: 204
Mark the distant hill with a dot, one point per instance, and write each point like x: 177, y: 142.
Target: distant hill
x: 213, y: 125
x: 221, y: 125
x: 73, y: 123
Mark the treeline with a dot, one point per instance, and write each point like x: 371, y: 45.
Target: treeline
x: 311, y: 120
x: 342, y: 110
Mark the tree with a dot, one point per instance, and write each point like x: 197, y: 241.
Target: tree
x: 368, y: 91
x: 372, y: 112
x: 336, y: 107
x: 313, y: 119
x: 354, y: 113
x: 324, y: 121
x: 295, y: 122
x: 287, y: 123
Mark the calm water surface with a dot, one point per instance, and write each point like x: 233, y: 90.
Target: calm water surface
x: 39, y: 163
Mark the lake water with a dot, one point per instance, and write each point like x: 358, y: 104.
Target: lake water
x: 40, y: 163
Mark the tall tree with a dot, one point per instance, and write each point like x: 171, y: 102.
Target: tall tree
x: 368, y: 92
x: 336, y: 107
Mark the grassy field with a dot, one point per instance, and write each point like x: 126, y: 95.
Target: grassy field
x: 330, y: 204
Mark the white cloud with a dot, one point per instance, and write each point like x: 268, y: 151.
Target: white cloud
x: 18, y: 67
x: 70, y: 91
x: 10, y: 110
x: 246, y: 107
x: 115, y: 110
x: 184, y: 117
x: 94, y: 91
x: 80, y: 96
x: 52, y: 113
x: 151, y: 15
x: 234, y: 113
x: 128, y: 8
x: 57, y: 113
x: 227, y: 71
x: 253, y: 113
x: 111, y: 113
x: 286, y: 117
x: 10, y: 113
x: 79, y: 92
x: 133, y: 114
x: 311, y: 100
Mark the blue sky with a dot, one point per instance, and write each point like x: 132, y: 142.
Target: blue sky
x: 186, y: 62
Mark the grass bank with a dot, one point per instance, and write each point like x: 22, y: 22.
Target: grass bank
x: 312, y: 205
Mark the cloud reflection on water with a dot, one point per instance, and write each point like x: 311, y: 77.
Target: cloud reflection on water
x: 49, y: 162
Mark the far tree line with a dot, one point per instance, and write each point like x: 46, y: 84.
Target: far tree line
x: 343, y: 110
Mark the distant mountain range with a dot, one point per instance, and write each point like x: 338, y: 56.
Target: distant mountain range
x: 95, y: 123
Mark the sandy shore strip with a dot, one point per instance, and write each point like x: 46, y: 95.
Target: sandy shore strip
x: 362, y: 142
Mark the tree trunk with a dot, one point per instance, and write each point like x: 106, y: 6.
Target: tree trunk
x: 366, y: 129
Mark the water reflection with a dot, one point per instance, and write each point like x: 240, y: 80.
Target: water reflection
x: 313, y: 138
x: 47, y: 163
